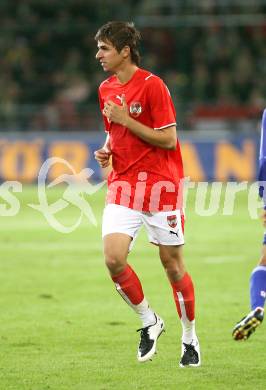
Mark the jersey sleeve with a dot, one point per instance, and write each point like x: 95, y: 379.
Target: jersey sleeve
x: 105, y: 121
x: 161, y: 105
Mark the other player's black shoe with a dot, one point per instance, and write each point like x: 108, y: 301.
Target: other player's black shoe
x: 190, y: 354
x: 245, y: 327
x: 148, y: 339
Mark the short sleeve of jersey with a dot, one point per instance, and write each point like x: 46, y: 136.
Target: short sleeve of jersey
x: 106, y: 123
x: 161, y: 104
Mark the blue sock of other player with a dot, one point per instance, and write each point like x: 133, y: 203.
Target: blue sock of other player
x: 258, y: 281
x: 245, y: 327
x: 258, y: 287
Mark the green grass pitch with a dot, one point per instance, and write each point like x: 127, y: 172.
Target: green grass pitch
x: 64, y: 327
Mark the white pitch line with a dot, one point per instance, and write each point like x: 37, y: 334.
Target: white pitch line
x: 54, y: 246
x: 223, y: 259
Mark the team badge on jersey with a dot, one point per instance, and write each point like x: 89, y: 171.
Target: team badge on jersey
x: 171, y: 219
x: 135, y: 109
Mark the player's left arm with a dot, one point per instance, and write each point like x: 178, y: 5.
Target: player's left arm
x: 164, y: 138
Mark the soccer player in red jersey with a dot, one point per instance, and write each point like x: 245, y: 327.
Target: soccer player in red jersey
x: 145, y: 184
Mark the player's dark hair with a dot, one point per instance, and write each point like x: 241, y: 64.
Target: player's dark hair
x: 121, y: 34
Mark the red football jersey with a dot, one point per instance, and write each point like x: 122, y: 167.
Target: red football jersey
x: 144, y: 177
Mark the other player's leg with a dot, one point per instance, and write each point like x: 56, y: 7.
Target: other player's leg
x: 248, y: 324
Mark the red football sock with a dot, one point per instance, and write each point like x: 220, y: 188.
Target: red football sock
x: 183, y: 291
x: 129, y: 286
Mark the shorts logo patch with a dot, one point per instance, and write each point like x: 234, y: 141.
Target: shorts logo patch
x: 171, y: 232
x: 135, y: 109
x: 172, y: 222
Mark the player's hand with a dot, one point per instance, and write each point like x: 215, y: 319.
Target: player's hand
x: 115, y: 113
x: 103, y: 157
x: 263, y: 217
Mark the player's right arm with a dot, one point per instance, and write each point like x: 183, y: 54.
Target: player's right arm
x: 103, y: 155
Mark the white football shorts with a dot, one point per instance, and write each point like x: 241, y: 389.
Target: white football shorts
x: 163, y: 227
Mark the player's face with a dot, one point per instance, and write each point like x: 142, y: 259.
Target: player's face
x: 109, y: 57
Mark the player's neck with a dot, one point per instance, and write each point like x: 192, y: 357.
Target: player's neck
x: 124, y: 74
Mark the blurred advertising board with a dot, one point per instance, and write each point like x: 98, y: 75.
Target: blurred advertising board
x: 232, y: 158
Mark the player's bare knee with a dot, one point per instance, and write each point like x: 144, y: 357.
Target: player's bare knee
x: 114, y: 261
x: 115, y: 268
x: 263, y: 256
x: 174, y: 269
x: 262, y: 260
x: 175, y: 273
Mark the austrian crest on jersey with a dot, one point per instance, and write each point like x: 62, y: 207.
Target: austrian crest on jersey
x: 135, y: 109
